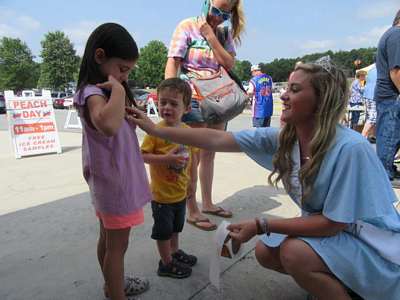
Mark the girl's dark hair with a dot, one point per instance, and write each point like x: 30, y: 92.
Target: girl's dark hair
x: 116, y: 41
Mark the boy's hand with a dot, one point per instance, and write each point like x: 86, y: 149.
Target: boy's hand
x: 112, y: 84
x: 138, y: 117
x: 176, y: 159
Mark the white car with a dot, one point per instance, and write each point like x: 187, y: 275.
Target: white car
x: 246, y: 85
x: 68, y: 102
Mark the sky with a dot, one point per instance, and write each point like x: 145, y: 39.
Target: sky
x: 274, y: 29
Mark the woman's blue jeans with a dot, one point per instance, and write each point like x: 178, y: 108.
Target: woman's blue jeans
x: 388, y: 132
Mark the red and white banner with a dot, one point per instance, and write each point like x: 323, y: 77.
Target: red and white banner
x: 32, y: 124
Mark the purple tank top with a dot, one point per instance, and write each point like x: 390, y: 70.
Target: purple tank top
x: 113, y: 166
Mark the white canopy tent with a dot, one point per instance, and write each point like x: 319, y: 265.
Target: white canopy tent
x: 365, y: 69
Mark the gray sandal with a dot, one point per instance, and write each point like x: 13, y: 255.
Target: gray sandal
x: 134, y: 286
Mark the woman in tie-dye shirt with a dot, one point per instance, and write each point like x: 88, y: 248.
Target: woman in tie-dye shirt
x: 201, y: 45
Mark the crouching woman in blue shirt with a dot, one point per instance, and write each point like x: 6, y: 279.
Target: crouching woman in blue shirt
x: 349, y: 233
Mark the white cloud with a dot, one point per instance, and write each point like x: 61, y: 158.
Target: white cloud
x: 317, y: 45
x: 380, y: 9
x: 79, y: 33
x: 6, y: 13
x: 13, y: 24
x: 28, y: 23
x: 367, y: 39
x: 9, y: 31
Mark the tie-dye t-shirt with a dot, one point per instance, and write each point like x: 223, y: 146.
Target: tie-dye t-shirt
x: 188, y: 43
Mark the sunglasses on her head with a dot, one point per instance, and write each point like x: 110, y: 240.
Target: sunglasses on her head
x: 217, y: 12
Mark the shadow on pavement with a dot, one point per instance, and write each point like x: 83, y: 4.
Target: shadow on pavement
x: 51, y: 249
x: 70, y: 148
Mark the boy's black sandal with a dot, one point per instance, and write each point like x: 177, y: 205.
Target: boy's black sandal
x: 174, y: 269
x: 185, y: 258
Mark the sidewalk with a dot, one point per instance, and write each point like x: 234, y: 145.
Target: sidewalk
x: 48, y: 233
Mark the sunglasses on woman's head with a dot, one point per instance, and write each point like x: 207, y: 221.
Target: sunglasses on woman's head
x: 216, y: 12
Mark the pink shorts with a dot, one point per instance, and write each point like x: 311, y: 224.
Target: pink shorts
x: 121, y: 221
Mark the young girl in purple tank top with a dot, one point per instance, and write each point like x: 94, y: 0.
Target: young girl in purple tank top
x: 112, y: 164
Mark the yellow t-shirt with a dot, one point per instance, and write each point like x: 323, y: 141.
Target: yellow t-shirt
x: 168, y: 185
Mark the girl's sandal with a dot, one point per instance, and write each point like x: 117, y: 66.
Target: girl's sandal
x: 136, y: 285
x: 133, y: 286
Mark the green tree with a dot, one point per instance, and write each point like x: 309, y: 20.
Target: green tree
x: 18, y: 71
x: 60, y: 61
x: 150, y: 67
x: 279, y: 69
x: 242, y: 69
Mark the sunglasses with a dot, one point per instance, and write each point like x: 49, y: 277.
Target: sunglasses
x: 216, y: 12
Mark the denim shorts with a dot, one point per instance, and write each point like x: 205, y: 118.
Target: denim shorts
x: 168, y: 219
x: 193, y: 116
x: 262, y: 122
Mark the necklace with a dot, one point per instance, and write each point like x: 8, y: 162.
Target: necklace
x: 305, y: 157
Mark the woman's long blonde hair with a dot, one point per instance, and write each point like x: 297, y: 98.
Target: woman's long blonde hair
x: 330, y: 86
x: 237, y: 20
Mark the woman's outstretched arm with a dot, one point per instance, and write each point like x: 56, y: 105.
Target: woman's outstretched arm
x: 205, y: 138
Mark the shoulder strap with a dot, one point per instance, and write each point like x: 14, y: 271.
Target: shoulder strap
x: 226, y: 32
x: 223, y: 35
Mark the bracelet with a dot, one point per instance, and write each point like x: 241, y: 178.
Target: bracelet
x: 259, y: 229
x: 264, y: 227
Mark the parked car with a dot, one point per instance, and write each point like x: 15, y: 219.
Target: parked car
x: 142, y: 96
x: 246, y: 85
x: 2, y: 104
x: 28, y: 93
x: 68, y: 102
x: 279, y: 87
x: 58, y: 99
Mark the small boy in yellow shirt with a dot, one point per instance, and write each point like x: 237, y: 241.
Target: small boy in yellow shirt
x: 169, y: 172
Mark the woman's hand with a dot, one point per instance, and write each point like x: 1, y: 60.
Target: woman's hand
x: 223, y: 57
x: 112, y: 84
x: 243, y: 231
x: 138, y: 117
x: 205, y: 28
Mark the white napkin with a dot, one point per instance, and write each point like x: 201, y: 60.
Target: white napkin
x: 215, y: 257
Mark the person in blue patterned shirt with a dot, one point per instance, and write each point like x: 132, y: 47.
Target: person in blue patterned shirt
x: 261, y: 88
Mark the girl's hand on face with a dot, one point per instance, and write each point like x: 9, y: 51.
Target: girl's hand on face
x: 205, y: 28
x: 139, y: 118
x: 243, y: 231
x: 111, y: 84
x: 176, y: 159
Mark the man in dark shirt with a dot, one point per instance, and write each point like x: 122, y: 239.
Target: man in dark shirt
x: 386, y: 95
